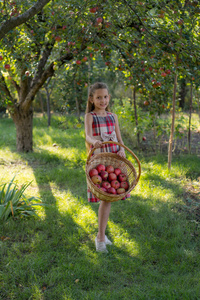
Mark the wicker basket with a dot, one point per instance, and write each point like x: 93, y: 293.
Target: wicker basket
x: 108, y: 158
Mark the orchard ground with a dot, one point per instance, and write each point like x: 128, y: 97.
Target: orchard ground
x: 155, y: 233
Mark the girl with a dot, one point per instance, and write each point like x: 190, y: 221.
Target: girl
x: 101, y: 125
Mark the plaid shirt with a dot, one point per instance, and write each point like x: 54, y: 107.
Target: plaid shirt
x: 102, y: 124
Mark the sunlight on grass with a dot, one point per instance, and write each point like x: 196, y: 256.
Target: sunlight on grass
x: 43, y: 136
x: 83, y: 215
x: 7, y: 154
x: 21, y: 170
x: 123, y: 240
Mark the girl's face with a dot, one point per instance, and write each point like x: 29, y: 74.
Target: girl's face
x: 100, y: 99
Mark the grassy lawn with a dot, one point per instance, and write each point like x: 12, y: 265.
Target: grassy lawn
x: 155, y: 252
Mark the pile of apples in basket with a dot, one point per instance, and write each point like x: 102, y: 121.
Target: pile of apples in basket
x: 109, y: 179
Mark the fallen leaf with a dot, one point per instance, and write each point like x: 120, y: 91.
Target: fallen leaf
x: 77, y: 280
x: 4, y: 238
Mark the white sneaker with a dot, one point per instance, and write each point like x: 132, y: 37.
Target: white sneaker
x: 107, y: 241
x: 100, y: 246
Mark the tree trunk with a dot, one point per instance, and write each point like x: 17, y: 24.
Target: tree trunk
x: 48, y: 106
x: 172, y: 125
x: 41, y: 103
x: 182, y: 93
x: 136, y: 116
x: 77, y: 102
x: 190, y: 116
x: 24, y: 125
x: 198, y: 101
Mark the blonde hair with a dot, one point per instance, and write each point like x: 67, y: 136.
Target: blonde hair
x: 90, y: 106
x: 96, y: 86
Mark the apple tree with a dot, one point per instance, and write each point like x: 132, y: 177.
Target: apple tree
x: 162, y: 28
x: 31, y: 53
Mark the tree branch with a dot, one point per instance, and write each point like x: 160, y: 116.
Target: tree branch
x: 10, y: 24
x: 34, y: 89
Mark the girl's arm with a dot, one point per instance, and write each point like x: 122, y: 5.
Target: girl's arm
x: 121, y: 152
x: 88, y: 132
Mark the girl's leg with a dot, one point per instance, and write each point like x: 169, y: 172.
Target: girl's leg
x: 103, y: 215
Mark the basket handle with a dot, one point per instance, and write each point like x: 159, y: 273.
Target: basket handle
x: 121, y: 145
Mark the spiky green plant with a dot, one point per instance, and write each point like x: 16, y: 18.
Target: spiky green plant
x: 13, y: 201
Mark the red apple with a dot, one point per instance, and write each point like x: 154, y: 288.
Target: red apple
x: 93, y: 9
x: 78, y: 62
x: 104, y: 175
x: 168, y: 71
x: 27, y: 73
x: 146, y: 103
x: 84, y: 58
x: 111, y: 190
x: 93, y: 172
x: 107, y: 24
x: 96, y: 179
x: 58, y: 38
x: 124, y: 184
x: 106, y: 184
x: 100, y: 168
x: 110, y: 169
x: 121, y: 190
x: 98, y: 185
x: 107, y: 63
x: 163, y: 74
x: 158, y: 83
x: 112, y: 176
x: 115, y: 184
x: 122, y: 177
x: 7, y: 66
x: 180, y: 22
x: 144, y: 138
x: 99, y: 20
x: 117, y: 171
x: 103, y: 189
x: 1, y: 57
x: 64, y: 27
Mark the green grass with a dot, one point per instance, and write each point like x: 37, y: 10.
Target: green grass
x: 155, y: 252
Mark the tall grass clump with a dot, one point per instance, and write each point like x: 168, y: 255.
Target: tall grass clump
x: 13, y: 201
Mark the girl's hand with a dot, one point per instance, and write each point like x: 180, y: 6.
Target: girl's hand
x: 121, y: 153
x: 97, y: 144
